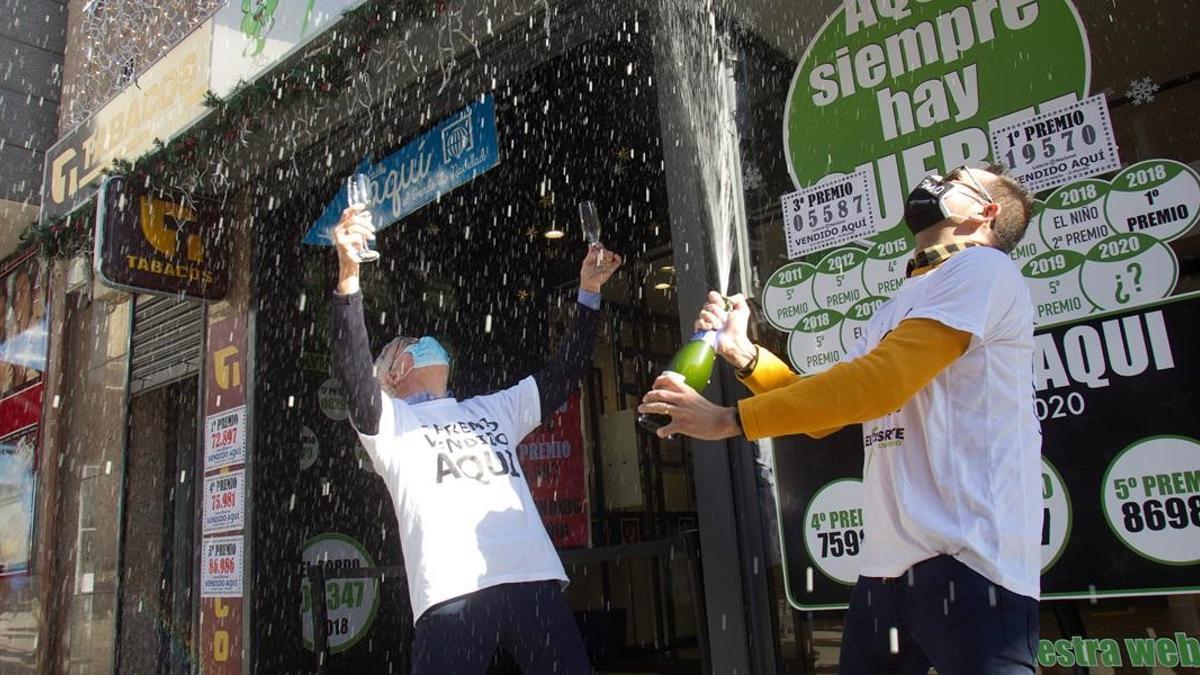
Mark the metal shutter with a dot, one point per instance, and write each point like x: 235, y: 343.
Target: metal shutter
x: 168, y: 341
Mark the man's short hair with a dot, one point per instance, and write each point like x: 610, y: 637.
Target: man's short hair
x: 387, y: 357
x: 1016, y: 204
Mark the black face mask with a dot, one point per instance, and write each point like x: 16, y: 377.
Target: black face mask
x: 923, y: 208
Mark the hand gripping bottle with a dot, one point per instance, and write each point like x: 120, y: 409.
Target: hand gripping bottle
x: 693, y: 363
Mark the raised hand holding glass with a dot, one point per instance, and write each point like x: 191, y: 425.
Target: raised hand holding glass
x: 358, y: 194
x: 591, y: 227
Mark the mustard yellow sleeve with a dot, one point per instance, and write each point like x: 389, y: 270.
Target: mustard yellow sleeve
x: 770, y: 372
x: 868, y: 387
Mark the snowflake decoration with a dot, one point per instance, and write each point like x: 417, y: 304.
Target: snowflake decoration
x: 752, y: 179
x: 1142, y: 91
x: 522, y: 295
x: 546, y: 200
x: 531, y: 232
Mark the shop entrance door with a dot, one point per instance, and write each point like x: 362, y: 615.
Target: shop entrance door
x: 157, y: 602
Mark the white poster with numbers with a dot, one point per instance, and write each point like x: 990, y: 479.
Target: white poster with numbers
x: 835, y: 211
x: 224, y: 501
x: 1058, y: 146
x: 221, y: 567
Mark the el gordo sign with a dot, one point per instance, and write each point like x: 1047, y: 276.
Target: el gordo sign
x: 899, y: 88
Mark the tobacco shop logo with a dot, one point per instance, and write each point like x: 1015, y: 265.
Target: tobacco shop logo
x: 160, y: 241
x: 897, y: 88
x: 173, y: 232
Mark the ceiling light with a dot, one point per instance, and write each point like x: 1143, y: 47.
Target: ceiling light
x: 662, y: 285
x: 553, y: 233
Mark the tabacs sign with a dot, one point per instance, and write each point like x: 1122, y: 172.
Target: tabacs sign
x: 158, y: 241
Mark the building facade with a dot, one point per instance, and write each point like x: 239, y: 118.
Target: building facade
x: 193, y: 477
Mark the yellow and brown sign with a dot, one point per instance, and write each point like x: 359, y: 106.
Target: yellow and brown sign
x: 162, y: 101
x: 161, y: 241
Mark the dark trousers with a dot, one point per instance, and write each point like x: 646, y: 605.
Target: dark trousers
x: 946, y: 616
x: 531, y: 620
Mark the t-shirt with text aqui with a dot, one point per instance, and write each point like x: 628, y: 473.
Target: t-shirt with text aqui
x: 467, y: 519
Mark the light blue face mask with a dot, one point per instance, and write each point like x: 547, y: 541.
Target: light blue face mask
x: 428, y: 352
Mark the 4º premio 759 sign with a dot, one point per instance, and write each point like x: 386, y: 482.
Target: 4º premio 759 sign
x: 160, y: 241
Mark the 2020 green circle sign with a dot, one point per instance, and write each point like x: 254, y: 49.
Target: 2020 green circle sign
x: 903, y: 87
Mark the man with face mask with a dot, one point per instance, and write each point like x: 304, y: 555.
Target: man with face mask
x: 942, y: 382
x: 482, y: 572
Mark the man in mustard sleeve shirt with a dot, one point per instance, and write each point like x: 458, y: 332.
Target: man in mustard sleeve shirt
x: 942, y: 382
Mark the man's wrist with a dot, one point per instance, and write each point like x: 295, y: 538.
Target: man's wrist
x: 347, y: 278
x: 733, y: 422
x: 743, y: 358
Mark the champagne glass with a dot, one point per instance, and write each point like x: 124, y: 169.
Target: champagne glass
x: 591, y: 226
x: 358, y: 194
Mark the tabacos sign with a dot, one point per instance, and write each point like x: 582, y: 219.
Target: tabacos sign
x: 899, y: 88
x: 159, y: 241
x: 165, y: 98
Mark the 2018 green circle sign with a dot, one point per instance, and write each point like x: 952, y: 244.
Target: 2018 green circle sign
x: 904, y: 87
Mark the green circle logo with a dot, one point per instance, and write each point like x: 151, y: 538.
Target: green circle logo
x: 904, y: 87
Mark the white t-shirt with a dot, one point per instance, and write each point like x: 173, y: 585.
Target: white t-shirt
x: 467, y: 518
x: 957, y: 470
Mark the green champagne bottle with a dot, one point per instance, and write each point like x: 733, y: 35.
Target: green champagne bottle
x: 694, y: 363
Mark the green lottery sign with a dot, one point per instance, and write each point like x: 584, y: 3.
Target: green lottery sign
x: 899, y: 88
x: 895, y: 89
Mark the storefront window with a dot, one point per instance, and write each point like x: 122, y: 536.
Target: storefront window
x: 82, y: 633
x: 811, y: 111
x: 23, y: 348
x: 492, y: 269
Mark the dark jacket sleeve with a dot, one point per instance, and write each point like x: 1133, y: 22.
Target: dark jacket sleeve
x: 566, y: 368
x: 352, y: 363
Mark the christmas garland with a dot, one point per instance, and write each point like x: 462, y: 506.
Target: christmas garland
x: 63, y: 237
x: 321, y: 74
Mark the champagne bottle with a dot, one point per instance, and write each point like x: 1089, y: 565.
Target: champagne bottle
x: 694, y: 363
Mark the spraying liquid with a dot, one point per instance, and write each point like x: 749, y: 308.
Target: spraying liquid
x: 705, y: 63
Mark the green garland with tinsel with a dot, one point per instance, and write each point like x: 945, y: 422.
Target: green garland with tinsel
x: 63, y: 237
x: 323, y: 73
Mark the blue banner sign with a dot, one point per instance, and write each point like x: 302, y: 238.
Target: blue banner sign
x: 452, y: 153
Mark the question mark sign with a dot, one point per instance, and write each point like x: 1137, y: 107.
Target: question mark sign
x: 1136, y: 270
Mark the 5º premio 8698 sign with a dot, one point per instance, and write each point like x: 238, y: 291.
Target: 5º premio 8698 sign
x: 1151, y: 496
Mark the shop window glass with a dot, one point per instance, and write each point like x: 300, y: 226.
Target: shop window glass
x: 1142, y: 60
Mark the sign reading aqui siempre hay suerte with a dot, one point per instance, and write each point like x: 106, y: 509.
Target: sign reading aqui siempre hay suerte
x: 899, y: 88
